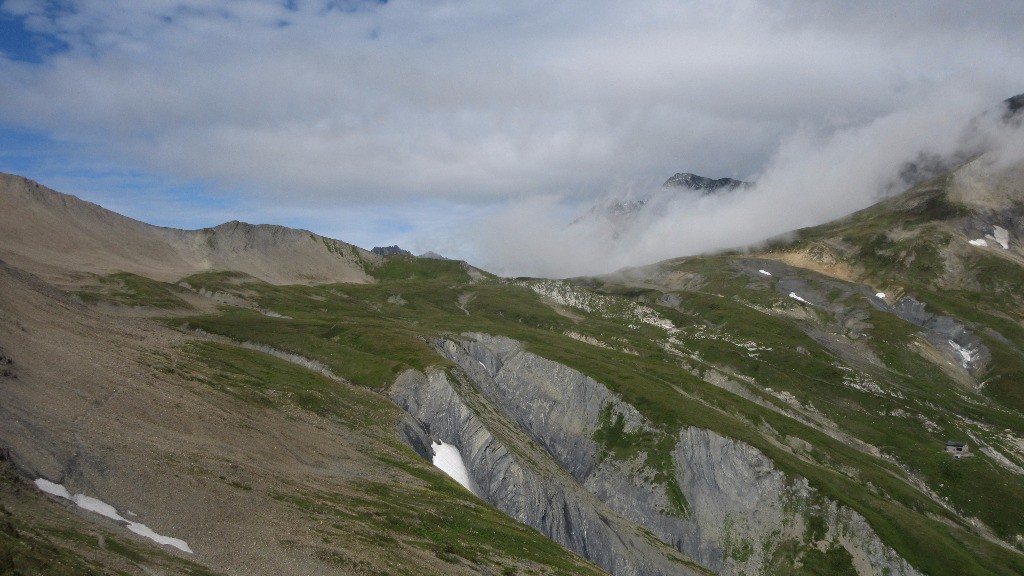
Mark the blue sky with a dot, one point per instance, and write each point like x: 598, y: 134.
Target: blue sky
x: 434, y: 124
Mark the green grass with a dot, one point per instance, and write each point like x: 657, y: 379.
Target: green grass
x: 425, y: 509
x: 251, y: 375
x: 419, y: 507
x: 791, y: 559
x: 656, y: 446
x: 413, y: 268
x: 133, y: 290
x: 361, y: 335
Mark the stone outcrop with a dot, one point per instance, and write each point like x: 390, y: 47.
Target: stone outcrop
x: 522, y: 480
x: 526, y: 427
x: 703, y: 184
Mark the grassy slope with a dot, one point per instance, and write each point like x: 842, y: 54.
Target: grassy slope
x: 368, y: 339
x: 419, y: 507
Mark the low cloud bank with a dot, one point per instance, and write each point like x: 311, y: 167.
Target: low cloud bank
x: 813, y: 177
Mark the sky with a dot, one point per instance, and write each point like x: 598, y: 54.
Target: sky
x: 480, y: 130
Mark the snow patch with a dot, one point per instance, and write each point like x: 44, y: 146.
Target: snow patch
x: 765, y: 272
x: 97, y: 506
x: 53, y: 488
x: 147, y: 532
x: 449, y: 460
x: 967, y: 355
x: 978, y: 242
x: 1001, y: 236
x: 794, y: 296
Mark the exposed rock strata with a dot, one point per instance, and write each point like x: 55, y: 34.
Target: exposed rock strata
x: 523, y: 481
x: 506, y: 402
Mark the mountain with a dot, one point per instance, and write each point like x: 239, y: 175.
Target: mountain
x: 390, y: 251
x: 432, y: 254
x: 704, y: 185
x: 175, y: 405
x: 46, y: 231
x: 619, y: 217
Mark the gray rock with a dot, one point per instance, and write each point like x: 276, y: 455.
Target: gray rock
x: 519, y: 478
x: 525, y: 426
x: 943, y: 332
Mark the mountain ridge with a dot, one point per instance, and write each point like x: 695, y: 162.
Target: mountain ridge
x: 703, y: 184
x: 47, y: 230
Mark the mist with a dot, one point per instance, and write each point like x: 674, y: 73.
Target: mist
x: 815, y: 175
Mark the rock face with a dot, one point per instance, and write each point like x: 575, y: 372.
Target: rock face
x: 390, y: 251
x: 48, y: 232
x: 524, y: 481
x: 619, y: 217
x: 946, y: 333
x: 526, y: 427
x: 702, y: 184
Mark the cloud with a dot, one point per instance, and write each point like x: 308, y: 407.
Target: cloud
x: 811, y: 179
x: 320, y: 106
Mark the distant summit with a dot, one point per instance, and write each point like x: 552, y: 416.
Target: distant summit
x: 621, y: 214
x: 1014, y: 105
x: 703, y: 184
x: 390, y: 251
x: 430, y: 254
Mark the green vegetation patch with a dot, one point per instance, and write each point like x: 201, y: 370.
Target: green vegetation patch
x: 132, y: 290
x: 656, y: 446
x: 413, y: 268
x: 425, y: 509
x: 364, y: 334
x: 267, y: 381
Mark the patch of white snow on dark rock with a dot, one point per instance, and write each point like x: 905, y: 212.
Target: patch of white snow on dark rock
x: 449, y: 460
x: 1001, y: 236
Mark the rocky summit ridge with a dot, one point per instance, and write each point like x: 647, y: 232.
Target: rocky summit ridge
x: 702, y: 184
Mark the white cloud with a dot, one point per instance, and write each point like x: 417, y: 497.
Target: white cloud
x: 486, y: 103
x: 812, y: 178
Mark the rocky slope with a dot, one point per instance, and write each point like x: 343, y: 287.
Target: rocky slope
x: 260, y: 465
x: 53, y: 233
x: 738, y: 510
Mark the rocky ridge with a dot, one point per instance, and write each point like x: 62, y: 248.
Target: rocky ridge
x: 51, y: 233
x: 703, y: 184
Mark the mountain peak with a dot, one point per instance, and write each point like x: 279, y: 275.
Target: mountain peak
x: 394, y: 250
x: 703, y: 184
x: 1014, y: 104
